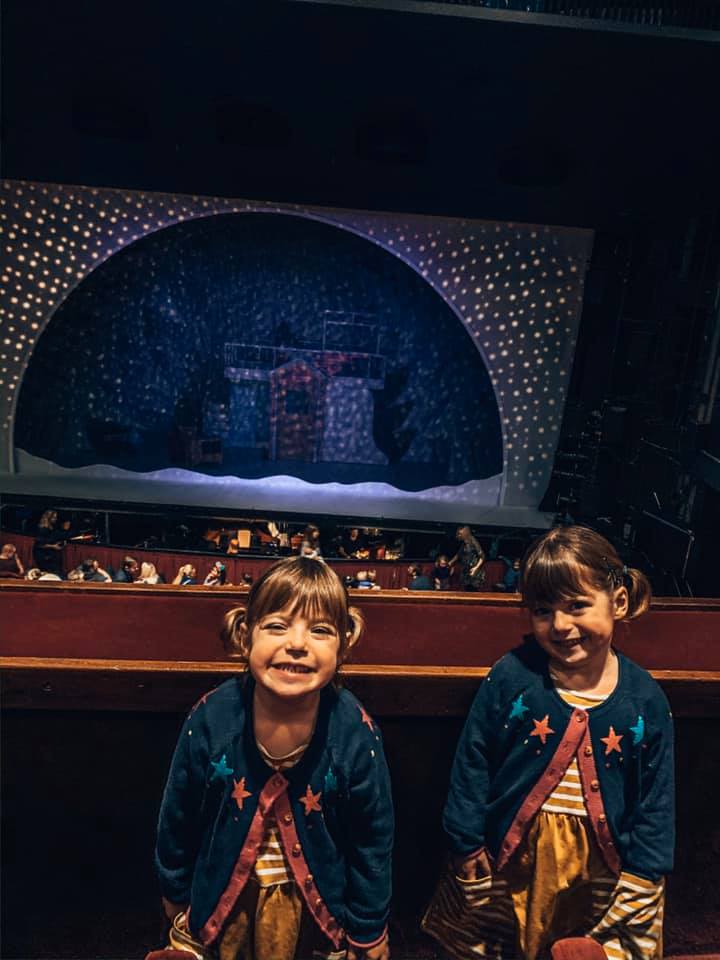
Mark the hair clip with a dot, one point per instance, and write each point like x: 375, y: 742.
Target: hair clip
x: 615, y: 576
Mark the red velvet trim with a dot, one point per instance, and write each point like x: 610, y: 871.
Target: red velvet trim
x: 595, y: 806
x: 301, y: 872
x: 568, y: 746
x: 276, y: 785
x: 367, y: 946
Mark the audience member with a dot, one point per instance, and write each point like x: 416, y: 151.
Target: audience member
x: 94, y: 573
x: 417, y: 580
x: 36, y: 574
x: 217, y: 575
x: 148, y: 574
x: 441, y: 572
x: 128, y: 571
x: 366, y: 580
x: 310, y: 546
x: 471, y: 557
x: 49, y: 543
x: 511, y: 579
x: 11, y: 567
x: 352, y: 543
x: 186, y: 576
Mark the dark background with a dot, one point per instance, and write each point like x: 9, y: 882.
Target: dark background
x: 456, y: 110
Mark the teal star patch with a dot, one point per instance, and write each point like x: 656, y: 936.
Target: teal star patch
x: 638, y: 731
x: 518, y: 708
x: 330, y: 784
x: 220, y: 769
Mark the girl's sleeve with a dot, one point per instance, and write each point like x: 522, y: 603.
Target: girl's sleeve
x: 178, y: 837
x: 464, y: 815
x: 652, y: 834
x: 632, y: 924
x: 369, y: 854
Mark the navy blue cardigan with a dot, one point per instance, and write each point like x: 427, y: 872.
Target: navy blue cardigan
x: 345, y: 838
x: 499, y: 760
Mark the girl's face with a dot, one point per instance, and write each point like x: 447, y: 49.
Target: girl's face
x: 576, y: 633
x: 291, y: 656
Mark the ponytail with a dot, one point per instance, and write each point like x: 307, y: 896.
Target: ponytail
x: 232, y: 634
x: 639, y: 592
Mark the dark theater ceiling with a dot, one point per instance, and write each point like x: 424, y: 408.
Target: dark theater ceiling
x: 420, y: 107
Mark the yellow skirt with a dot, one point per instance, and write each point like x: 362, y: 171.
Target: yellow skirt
x: 266, y: 923
x: 555, y: 885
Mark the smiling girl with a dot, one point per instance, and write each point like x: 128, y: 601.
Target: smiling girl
x: 275, y: 832
x: 560, y: 811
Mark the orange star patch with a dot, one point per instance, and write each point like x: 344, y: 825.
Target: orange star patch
x: 542, y: 728
x: 240, y: 794
x: 311, y: 801
x: 366, y: 718
x: 612, y: 741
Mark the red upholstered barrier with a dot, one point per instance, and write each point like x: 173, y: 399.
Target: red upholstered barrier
x: 133, y: 622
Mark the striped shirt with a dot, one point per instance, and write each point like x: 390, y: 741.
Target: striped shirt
x: 271, y: 866
x: 567, y: 797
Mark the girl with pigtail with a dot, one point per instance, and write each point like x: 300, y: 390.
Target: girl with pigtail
x: 276, y: 827
x: 560, y: 816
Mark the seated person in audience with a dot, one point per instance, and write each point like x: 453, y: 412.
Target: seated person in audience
x: 511, y: 579
x: 211, y: 538
x: 186, y: 576
x: 366, y: 580
x: 352, y: 543
x: 396, y: 549
x: 76, y: 575
x: 93, y: 572
x: 217, y: 575
x: 417, y: 580
x: 441, y: 572
x: 35, y: 573
x: 148, y: 574
x: 128, y: 570
x: 310, y: 546
x: 11, y: 567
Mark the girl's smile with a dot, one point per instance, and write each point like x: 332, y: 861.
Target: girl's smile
x: 292, y: 655
x: 576, y: 633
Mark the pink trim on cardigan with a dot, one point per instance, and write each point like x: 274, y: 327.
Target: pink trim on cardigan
x: 301, y: 872
x: 576, y: 735
x: 594, y: 803
x: 367, y: 946
x: 276, y: 785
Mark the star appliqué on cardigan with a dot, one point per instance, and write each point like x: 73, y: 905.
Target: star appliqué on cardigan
x: 240, y: 794
x: 311, y: 801
x: 220, y: 769
x: 612, y: 741
x: 542, y: 728
x: 518, y: 708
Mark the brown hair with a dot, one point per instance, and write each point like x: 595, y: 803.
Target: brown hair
x: 301, y: 585
x: 566, y: 560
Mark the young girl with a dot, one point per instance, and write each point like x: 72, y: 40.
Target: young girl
x: 560, y: 810
x: 275, y: 831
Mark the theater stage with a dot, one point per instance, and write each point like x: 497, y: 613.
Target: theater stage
x: 475, y: 502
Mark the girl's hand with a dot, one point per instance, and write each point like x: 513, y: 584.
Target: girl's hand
x: 173, y: 909
x: 474, y: 868
x: 380, y: 951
